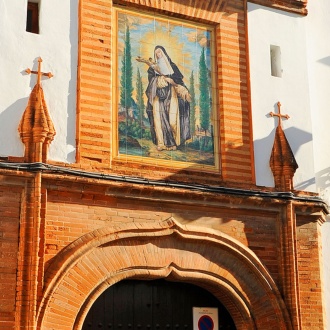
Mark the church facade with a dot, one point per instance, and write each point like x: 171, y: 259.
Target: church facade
x: 160, y: 159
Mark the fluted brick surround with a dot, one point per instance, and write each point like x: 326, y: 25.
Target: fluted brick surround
x: 95, y: 117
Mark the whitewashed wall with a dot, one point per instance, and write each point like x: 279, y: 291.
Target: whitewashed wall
x: 56, y: 44
x: 304, y: 93
x: 270, y: 27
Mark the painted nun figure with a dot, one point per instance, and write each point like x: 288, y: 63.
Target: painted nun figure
x: 168, y: 106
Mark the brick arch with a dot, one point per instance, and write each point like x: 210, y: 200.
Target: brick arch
x: 208, y: 258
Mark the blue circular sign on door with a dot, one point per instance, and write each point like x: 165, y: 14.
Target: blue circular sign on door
x: 205, y: 323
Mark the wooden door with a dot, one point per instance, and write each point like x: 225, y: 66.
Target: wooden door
x: 156, y: 305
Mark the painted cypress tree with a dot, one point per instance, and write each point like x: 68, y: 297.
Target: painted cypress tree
x: 139, y: 93
x: 126, y: 81
x: 192, y: 104
x: 204, y: 94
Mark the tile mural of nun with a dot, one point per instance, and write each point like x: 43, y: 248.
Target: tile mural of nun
x: 168, y: 106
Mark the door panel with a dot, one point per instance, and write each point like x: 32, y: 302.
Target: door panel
x: 142, y: 302
x: 151, y: 305
x: 123, y: 319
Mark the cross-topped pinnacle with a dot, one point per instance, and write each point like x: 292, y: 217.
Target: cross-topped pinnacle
x: 279, y: 115
x: 39, y: 73
x: 36, y: 127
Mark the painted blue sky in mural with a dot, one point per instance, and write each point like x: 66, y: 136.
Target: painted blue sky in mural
x: 183, y: 43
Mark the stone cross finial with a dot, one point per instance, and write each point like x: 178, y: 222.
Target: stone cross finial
x: 39, y: 73
x: 279, y: 115
x: 36, y: 128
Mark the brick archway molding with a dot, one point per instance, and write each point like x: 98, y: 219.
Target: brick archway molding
x: 147, y: 250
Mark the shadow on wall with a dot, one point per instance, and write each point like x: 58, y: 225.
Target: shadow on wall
x: 263, y: 149
x: 325, y: 60
x: 322, y: 180
x: 72, y: 97
x: 10, y: 143
x: 296, y: 138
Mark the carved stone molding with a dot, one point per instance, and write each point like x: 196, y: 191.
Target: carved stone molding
x: 294, y: 6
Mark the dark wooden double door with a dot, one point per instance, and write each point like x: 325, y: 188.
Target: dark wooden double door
x: 152, y: 305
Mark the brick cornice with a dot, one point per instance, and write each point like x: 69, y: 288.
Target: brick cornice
x: 294, y: 6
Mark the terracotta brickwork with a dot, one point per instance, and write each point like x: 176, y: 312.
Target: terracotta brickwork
x: 95, y: 124
x: 9, y: 229
x: 89, y: 230
x: 134, y: 257
x: 308, y: 240
x: 79, y: 234
x: 69, y: 231
x: 68, y: 219
x: 295, y: 6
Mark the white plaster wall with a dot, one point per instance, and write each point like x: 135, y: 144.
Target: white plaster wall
x: 56, y: 44
x: 304, y: 92
x: 268, y: 27
x: 318, y: 38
